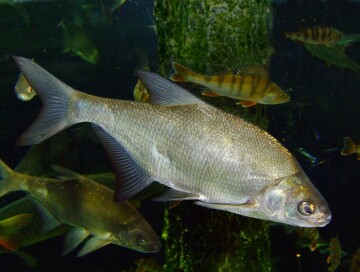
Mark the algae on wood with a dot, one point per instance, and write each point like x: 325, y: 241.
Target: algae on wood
x: 210, y: 37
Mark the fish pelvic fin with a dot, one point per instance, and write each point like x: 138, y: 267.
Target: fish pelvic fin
x: 349, y: 147
x: 182, y: 73
x: 55, y: 96
x: 91, y: 245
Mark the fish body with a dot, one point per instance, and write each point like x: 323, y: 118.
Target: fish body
x: 23, y: 90
x: 88, y: 207
x: 316, y: 35
x: 250, y: 84
x: 350, y: 147
x: 197, y: 150
x: 355, y: 262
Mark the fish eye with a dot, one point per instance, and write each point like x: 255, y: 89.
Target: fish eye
x: 306, y: 208
x: 142, y: 241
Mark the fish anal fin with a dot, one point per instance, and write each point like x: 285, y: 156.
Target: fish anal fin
x: 91, y: 245
x: 246, y: 103
x: 173, y: 194
x: 210, y: 94
x: 74, y: 238
x: 130, y: 177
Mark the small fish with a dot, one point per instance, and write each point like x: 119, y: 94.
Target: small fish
x: 199, y: 151
x: 96, y: 214
x: 311, y: 234
x: 316, y: 35
x: 140, y: 92
x: 350, y: 147
x: 355, y: 262
x: 248, y: 83
x: 307, y: 155
x: 23, y: 90
x: 335, y: 254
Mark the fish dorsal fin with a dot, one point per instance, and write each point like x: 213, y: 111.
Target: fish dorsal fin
x: 92, y: 244
x: 252, y: 70
x: 164, y: 92
x: 74, y: 238
x: 130, y: 177
x: 65, y: 173
x: 173, y: 194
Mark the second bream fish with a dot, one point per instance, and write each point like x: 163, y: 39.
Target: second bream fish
x: 248, y: 83
x: 86, y: 206
x: 199, y: 151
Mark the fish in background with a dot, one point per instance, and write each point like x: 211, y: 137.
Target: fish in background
x: 328, y: 44
x: 318, y: 35
x: 355, y: 262
x: 77, y: 42
x: 141, y: 94
x: 248, y: 83
x: 86, y: 206
x: 199, y: 151
x: 350, y: 147
x: 335, y: 254
x: 23, y: 90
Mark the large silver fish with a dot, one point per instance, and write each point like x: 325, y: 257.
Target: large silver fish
x: 199, y: 151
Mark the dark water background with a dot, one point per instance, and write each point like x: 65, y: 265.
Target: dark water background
x: 324, y: 109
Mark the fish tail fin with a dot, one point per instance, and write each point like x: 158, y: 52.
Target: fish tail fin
x: 55, y: 96
x: 182, y: 73
x: 5, y: 174
x: 349, y: 147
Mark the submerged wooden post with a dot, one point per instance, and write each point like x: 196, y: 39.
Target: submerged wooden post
x: 214, y: 36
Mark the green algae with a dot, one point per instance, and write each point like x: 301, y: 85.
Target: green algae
x: 211, y: 37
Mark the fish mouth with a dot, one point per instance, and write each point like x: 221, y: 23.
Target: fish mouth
x: 322, y: 222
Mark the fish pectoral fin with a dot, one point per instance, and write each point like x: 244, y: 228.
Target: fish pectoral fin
x: 130, y: 177
x: 48, y: 221
x: 246, y: 103
x: 92, y: 244
x: 74, y: 238
x: 173, y: 194
x: 234, y: 208
x: 210, y: 94
x: 164, y: 92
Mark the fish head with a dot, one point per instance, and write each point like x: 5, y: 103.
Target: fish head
x: 139, y: 236
x: 295, y: 201
x: 275, y: 95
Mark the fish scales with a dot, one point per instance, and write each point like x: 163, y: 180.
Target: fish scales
x: 174, y: 152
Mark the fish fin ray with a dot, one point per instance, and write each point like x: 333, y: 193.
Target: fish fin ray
x: 91, y: 245
x: 74, y: 238
x: 55, y: 96
x: 130, y: 177
x: 251, y: 70
x: 164, y: 92
x: 173, y: 194
x: 48, y: 221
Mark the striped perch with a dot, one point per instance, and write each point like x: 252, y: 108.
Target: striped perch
x: 316, y: 35
x: 248, y: 83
